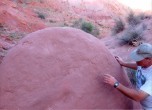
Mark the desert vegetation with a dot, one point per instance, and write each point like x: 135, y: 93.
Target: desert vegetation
x: 132, y: 30
x: 86, y: 26
x: 118, y: 27
x: 132, y: 36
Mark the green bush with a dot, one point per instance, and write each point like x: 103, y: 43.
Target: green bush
x: 118, y: 27
x: 87, y: 27
x: 132, y: 19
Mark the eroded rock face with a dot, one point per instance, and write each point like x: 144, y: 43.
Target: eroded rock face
x: 60, y: 68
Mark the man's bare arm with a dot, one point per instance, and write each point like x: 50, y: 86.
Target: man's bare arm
x: 130, y: 65
x: 131, y: 93
x: 126, y: 64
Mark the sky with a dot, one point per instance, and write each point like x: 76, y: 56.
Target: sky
x: 143, y: 5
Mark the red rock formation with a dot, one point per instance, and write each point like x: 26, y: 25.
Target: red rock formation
x: 16, y: 17
x: 60, y: 68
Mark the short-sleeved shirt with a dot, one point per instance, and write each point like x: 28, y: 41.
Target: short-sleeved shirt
x: 147, y: 87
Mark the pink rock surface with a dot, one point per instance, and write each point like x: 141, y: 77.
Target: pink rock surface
x: 60, y: 68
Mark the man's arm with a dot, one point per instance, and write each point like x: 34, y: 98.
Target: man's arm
x: 131, y: 93
x: 130, y: 65
x: 126, y: 64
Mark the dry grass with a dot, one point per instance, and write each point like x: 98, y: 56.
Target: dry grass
x: 118, y: 27
x: 133, y: 19
x: 131, y: 36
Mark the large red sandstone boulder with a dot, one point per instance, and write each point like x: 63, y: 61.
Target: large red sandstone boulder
x: 60, y: 68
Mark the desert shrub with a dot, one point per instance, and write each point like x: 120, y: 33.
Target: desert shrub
x: 144, y: 26
x: 1, y: 26
x: 118, y: 27
x: 131, y: 74
x: 95, y: 31
x: 78, y: 23
x: 148, y: 16
x: 133, y: 19
x: 41, y: 15
x: 52, y: 21
x: 141, y: 16
x: 90, y: 28
x: 14, y: 35
x: 86, y: 26
x: 131, y: 36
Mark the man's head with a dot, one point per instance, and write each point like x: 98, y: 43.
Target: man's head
x: 143, y: 55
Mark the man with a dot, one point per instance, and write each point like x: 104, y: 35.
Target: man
x: 143, y: 58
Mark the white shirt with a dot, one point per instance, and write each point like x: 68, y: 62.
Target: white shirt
x: 147, y: 87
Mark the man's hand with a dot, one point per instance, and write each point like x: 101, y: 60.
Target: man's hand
x: 120, y: 61
x: 109, y: 79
